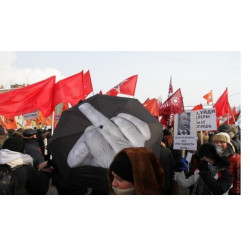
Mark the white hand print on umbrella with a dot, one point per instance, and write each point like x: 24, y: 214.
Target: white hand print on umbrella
x: 101, y: 141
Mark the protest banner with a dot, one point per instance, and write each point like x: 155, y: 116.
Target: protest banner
x: 185, y: 137
x: 206, y: 119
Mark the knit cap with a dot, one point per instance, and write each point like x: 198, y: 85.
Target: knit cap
x: 122, y: 166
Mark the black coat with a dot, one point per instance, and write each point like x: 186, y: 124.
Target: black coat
x: 32, y: 148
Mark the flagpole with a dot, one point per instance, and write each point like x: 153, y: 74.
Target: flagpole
x: 53, y: 122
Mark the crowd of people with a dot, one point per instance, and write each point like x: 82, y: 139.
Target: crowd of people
x: 26, y: 167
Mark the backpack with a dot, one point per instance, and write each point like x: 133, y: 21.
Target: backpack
x: 8, y: 180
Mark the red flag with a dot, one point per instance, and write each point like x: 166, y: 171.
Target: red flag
x: 234, y: 112
x: 222, y: 105
x: 87, y: 84
x: 127, y: 87
x: 152, y: 106
x: 198, y: 107
x: 209, y: 97
x: 69, y: 90
x: 173, y: 105
x: 37, y: 96
x: 170, y: 90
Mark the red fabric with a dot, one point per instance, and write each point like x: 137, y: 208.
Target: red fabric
x: 167, y: 120
x: 209, y: 97
x: 65, y: 106
x: 198, y: 107
x: 173, y: 105
x: 127, y: 87
x: 87, y: 84
x: 69, y: 90
x: 235, y: 170
x: 37, y: 96
x: 152, y: 106
x: 234, y: 112
x: 222, y: 105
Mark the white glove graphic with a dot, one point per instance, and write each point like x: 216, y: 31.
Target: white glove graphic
x: 106, y: 137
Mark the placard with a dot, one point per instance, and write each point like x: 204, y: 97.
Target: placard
x: 185, y: 131
x: 206, y: 119
x: 30, y: 116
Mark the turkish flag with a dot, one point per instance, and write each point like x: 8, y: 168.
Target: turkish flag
x: 87, y: 84
x: 127, y: 87
x: 152, y: 106
x: 37, y: 96
x: 70, y: 89
x: 209, y: 97
x: 222, y: 105
x: 173, y: 105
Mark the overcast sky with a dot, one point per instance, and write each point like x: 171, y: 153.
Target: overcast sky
x: 195, y: 73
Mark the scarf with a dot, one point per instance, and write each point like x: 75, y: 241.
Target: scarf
x: 127, y: 191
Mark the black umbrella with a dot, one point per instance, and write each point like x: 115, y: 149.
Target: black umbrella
x: 73, y: 123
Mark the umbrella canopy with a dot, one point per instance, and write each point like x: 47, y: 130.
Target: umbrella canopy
x: 73, y: 123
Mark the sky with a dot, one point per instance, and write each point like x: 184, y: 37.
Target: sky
x: 194, y: 72
x: 38, y: 34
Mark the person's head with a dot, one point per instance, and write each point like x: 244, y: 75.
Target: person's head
x: 3, y: 130
x: 122, y: 172
x: 137, y: 170
x: 208, y: 152
x: 29, y: 133
x: 14, y: 144
x: 222, y: 139
x: 184, y: 121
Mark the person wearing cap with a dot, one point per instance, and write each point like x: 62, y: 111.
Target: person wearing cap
x: 27, y: 180
x: 212, y: 176
x: 232, y: 130
x: 32, y: 148
x: 226, y: 149
x: 136, y: 171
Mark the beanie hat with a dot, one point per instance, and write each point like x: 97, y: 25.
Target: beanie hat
x: 208, y: 150
x: 122, y: 166
x: 224, y: 137
x: 14, y: 144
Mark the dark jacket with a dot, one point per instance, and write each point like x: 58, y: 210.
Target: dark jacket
x: 32, y: 148
x: 222, y: 182
x: 167, y: 162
